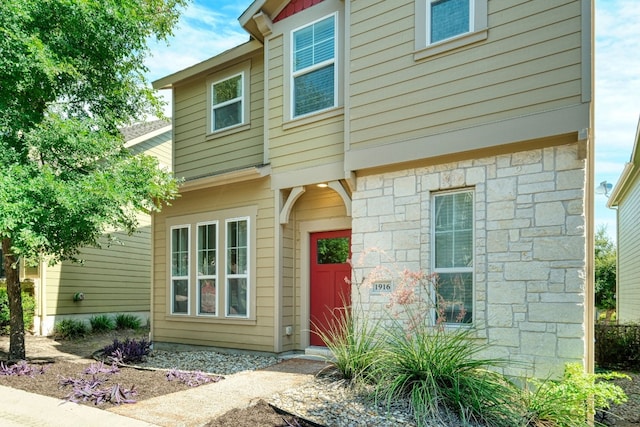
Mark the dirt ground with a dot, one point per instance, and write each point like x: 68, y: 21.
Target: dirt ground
x: 68, y: 359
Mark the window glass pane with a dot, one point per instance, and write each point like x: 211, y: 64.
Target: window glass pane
x: 448, y: 19
x: 314, y: 91
x: 454, y: 230
x: 455, y: 297
x: 314, y: 44
x: 180, y: 296
x: 227, y: 115
x: 180, y: 251
x: 227, y: 90
x: 207, y: 241
x: 207, y: 297
x: 333, y: 251
x: 237, y: 297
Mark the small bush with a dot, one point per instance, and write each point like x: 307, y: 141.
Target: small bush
x: 70, y: 329
x: 572, y: 400
x: 102, y: 323
x: 127, y: 351
x: 127, y: 321
x: 617, y: 346
x: 28, y: 311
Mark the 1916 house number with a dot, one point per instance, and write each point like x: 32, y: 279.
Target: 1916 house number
x: 381, y: 287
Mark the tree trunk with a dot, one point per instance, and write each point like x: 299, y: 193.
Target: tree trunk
x: 14, y: 293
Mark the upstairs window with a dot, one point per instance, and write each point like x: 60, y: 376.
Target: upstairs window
x: 314, y: 67
x: 442, y: 25
x: 227, y: 101
x: 453, y: 255
x: 448, y: 18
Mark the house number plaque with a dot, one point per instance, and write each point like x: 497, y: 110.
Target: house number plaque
x: 381, y: 288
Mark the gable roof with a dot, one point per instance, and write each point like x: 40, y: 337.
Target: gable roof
x: 629, y: 173
x: 207, y: 65
x: 140, y: 129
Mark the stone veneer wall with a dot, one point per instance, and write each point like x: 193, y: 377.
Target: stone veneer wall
x: 529, y: 255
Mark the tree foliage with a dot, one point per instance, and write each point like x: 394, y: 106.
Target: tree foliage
x: 71, y: 75
x: 605, y: 270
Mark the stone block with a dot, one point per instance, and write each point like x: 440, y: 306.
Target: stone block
x: 405, y: 186
x: 552, y: 213
x: 501, y: 189
x: 531, y: 270
x: 506, y: 292
x: 556, y: 312
x: 538, y: 343
x: 559, y: 248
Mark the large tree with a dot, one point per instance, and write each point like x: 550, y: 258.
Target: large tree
x: 71, y: 75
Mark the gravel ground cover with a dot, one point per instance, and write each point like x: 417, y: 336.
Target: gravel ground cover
x: 325, y: 401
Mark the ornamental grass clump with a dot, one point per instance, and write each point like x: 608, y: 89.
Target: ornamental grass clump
x: 352, y: 338
x: 102, y: 323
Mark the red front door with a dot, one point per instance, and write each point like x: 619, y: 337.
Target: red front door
x: 329, y: 289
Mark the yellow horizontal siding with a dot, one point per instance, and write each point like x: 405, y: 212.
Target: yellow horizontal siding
x: 628, y: 255
x: 249, y: 335
x: 197, y: 154
x: 531, y: 62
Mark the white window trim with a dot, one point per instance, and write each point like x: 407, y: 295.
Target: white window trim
x: 208, y: 276
x: 470, y: 269
x: 190, y: 221
x: 334, y: 61
x: 229, y: 102
x: 172, y: 277
x: 245, y: 275
x: 243, y: 69
x: 478, y: 29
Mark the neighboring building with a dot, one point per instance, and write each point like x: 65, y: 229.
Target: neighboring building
x: 113, y: 279
x: 625, y: 197
x: 455, y: 135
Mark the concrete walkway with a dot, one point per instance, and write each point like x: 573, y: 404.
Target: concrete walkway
x: 190, y: 408
x: 22, y: 409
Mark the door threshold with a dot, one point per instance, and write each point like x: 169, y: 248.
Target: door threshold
x: 319, y: 352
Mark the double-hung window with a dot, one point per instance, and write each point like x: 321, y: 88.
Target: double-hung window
x: 207, y: 277
x: 449, y: 24
x: 180, y: 269
x: 237, y: 250
x: 453, y: 255
x: 314, y: 76
x: 227, y: 102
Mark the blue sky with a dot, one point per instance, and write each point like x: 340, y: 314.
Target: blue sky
x: 209, y: 27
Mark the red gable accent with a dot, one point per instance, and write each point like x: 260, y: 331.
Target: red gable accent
x: 294, y: 7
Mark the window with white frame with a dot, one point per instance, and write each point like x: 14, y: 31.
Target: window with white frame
x: 453, y: 255
x: 227, y: 102
x: 210, y: 265
x: 207, y: 277
x: 180, y: 269
x: 314, y: 77
x: 448, y: 24
x: 237, y: 250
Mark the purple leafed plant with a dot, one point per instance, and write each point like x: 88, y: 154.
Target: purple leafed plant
x: 21, y: 368
x: 127, y: 351
x: 101, y: 368
x: 192, y: 379
x: 89, y: 389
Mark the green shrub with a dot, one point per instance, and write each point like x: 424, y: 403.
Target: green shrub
x: 28, y: 311
x: 617, y: 346
x: 571, y: 401
x: 127, y: 321
x: 102, y: 323
x: 70, y: 329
